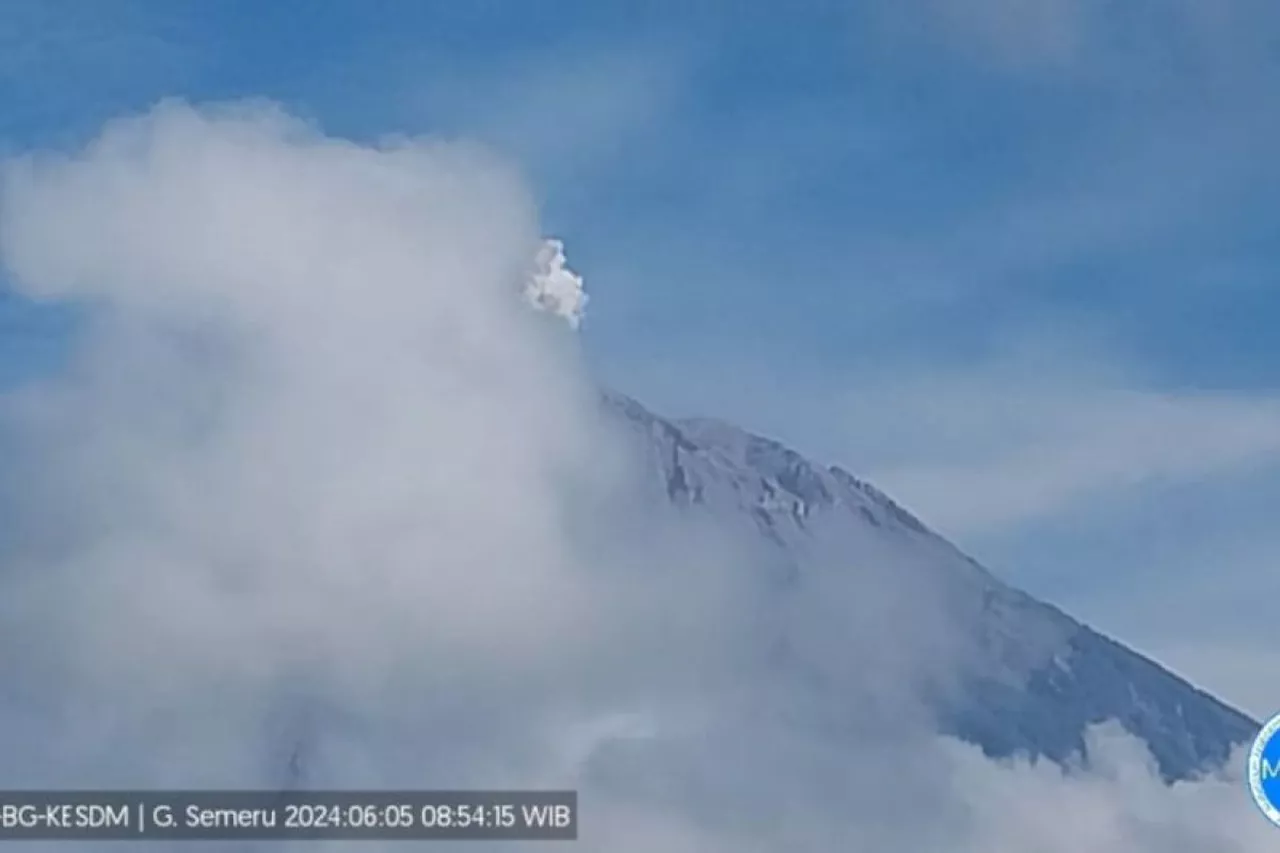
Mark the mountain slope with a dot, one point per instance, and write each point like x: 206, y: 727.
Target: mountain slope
x: 1014, y: 674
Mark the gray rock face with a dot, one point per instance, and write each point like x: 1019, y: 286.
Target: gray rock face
x: 1019, y: 675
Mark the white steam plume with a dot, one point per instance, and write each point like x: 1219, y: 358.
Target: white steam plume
x: 554, y: 287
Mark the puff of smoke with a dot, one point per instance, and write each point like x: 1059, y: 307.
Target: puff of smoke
x: 554, y: 287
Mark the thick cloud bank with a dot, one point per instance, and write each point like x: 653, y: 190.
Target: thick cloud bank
x: 322, y: 502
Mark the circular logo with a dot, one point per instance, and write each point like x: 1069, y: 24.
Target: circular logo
x: 1264, y: 770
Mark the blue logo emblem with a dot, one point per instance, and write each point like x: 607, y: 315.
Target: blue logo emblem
x: 1264, y: 770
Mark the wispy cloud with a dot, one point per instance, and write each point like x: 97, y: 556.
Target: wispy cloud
x: 1034, y: 451
x: 67, y: 66
x: 566, y: 110
x: 1017, y: 34
x: 998, y: 443
x: 1085, y: 41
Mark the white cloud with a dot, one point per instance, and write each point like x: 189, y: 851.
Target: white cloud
x: 320, y: 474
x: 313, y: 433
x: 1117, y: 806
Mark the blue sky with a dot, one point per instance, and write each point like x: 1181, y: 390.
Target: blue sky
x: 1014, y: 260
